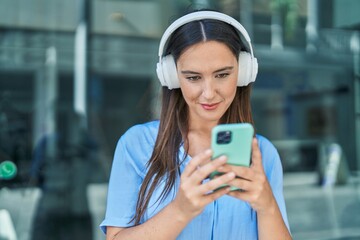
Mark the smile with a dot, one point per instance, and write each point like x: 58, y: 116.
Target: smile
x: 210, y: 106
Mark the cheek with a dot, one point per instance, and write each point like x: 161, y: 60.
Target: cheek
x: 230, y: 91
x: 189, y: 92
x: 187, y: 95
x: 231, y: 96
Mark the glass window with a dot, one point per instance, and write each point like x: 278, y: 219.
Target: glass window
x: 75, y: 75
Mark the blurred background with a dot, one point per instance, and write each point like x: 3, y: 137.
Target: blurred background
x: 76, y: 74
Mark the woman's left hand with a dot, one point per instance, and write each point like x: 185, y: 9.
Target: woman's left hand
x: 252, y: 180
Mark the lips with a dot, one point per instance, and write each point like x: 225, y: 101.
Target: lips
x: 210, y: 106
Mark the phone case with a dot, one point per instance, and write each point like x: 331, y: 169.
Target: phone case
x: 235, y: 143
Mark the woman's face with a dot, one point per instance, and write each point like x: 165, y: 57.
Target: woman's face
x: 208, y: 80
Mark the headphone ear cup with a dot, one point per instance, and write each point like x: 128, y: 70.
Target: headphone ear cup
x: 245, y: 66
x: 160, y: 74
x: 168, y: 72
x: 254, y: 68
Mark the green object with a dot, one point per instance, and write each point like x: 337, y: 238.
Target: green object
x: 234, y: 141
x: 8, y: 170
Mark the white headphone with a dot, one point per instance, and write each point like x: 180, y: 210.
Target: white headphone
x: 166, y: 67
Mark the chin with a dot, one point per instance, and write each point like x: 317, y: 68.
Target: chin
x: 211, y: 117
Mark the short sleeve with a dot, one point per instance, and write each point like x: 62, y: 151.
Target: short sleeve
x: 124, y: 185
x: 274, y: 172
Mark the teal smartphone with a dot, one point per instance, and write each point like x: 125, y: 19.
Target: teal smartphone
x: 234, y: 141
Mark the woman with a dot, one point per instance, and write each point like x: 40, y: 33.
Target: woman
x: 159, y: 186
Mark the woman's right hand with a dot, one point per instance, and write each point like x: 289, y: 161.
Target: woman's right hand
x: 193, y: 195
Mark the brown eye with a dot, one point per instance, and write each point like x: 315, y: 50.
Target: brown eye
x: 193, y: 78
x: 222, y: 75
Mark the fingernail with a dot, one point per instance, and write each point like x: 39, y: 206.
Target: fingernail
x: 222, y: 158
x: 208, y: 152
x: 231, y: 175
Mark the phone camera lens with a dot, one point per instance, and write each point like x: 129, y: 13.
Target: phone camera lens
x: 223, y: 137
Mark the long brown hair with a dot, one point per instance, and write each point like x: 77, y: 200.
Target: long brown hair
x: 174, y: 126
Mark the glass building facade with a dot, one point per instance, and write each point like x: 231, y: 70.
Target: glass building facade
x: 75, y: 75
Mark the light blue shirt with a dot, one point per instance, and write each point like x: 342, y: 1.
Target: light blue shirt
x: 226, y: 218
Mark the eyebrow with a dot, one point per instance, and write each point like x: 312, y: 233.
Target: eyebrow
x: 219, y: 70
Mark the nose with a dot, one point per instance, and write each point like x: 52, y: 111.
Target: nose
x: 209, y: 89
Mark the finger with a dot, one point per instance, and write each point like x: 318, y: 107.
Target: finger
x: 216, y: 183
x: 216, y: 194
x: 243, y: 195
x: 195, y: 162
x: 256, y: 154
x: 205, y: 170
x: 225, y: 168
x: 241, y: 183
x: 243, y: 172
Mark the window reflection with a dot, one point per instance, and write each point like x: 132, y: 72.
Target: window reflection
x: 305, y: 100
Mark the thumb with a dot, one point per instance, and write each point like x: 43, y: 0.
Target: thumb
x: 256, y: 157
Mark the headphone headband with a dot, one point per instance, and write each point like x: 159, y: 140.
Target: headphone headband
x: 166, y: 67
x: 199, y: 16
